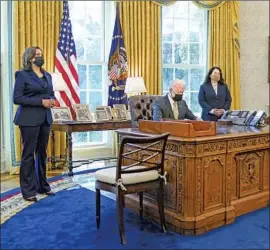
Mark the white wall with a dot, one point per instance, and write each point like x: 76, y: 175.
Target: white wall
x: 254, y: 32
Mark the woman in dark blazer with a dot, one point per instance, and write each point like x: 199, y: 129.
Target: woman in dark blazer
x: 33, y: 92
x: 214, y: 95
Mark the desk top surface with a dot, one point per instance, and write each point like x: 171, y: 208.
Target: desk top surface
x: 223, y: 132
x: 75, y: 126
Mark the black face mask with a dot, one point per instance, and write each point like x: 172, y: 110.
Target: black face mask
x: 177, y: 97
x: 39, y: 61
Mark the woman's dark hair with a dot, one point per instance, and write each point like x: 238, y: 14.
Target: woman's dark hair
x: 208, y: 79
x: 27, y: 56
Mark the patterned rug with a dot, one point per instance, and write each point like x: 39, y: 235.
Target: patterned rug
x: 12, y: 201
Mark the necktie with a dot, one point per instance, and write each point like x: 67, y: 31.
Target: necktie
x: 175, y: 110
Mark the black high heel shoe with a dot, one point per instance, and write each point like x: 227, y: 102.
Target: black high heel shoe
x: 50, y: 193
x: 33, y: 199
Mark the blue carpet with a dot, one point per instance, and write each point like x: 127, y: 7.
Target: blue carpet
x: 67, y: 221
x: 51, y: 179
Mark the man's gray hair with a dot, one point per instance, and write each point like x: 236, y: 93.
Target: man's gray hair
x: 176, y: 81
x: 27, y: 56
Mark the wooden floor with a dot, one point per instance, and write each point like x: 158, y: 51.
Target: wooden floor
x: 9, y: 182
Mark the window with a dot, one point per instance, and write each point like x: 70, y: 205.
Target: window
x: 92, y: 26
x: 184, y: 44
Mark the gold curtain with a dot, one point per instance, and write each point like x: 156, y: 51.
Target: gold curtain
x: 141, y: 25
x: 36, y: 23
x: 224, y: 50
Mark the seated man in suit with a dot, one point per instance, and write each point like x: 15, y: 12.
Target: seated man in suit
x: 172, y: 106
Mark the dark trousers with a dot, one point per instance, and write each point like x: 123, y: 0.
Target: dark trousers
x: 33, y: 163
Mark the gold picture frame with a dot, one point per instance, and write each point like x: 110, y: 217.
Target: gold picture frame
x: 116, y: 113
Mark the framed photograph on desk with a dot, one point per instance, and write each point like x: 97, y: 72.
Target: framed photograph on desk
x: 101, y: 114
x: 108, y: 110
x: 82, y: 112
x: 61, y: 114
x: 122, y: 107
x: 116, y: 113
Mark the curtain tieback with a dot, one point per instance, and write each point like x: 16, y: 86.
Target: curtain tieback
x: 120, y: 183
x: 164, y: 177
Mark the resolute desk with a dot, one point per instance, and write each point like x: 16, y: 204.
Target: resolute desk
x: 211, y: 179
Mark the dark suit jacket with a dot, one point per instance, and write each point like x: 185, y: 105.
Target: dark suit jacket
x: 162, y: 109
x: 29, y: 90
x: 209, y: 100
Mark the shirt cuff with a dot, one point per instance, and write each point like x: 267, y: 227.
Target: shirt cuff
x: 212, y: 112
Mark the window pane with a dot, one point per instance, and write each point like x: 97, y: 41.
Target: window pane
x: 186, y: 98
x: 181, y: 53
x: 181, y: 9
x: 82, y: 76
x: 93, y: 22
x: 182, y: 74
x: 78, y: 29
x: 195, y: 53
x: 79, y: 49
x: 167, y: 29
x: 196, y: 78
x: 83, y: 97
x: 77, y: 11
x: 95, y: 99
x: 196, y: 31
x: 167, y: 11
x: 180, y: 32
x: 167, y: 52
x: 194, y: 105
x: 194, y: 11
x: 167, y: 79
x: 95, y: 76
x: 93, y: 48
x: 80, y: 137
x: 96, y: 136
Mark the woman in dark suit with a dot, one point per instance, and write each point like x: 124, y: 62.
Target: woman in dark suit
x: 214, y: 95
x: 33, y: 92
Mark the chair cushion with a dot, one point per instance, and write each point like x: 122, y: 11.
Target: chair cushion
x: 108, y: 176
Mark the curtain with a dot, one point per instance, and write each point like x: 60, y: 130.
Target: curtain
x: 141, y: 25
x: 224, y: 48
x: 36, y: 23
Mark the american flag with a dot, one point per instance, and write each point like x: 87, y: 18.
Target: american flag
x: 65, y: 63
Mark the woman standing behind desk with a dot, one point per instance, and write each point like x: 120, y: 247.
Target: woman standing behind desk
x: 214, y: 95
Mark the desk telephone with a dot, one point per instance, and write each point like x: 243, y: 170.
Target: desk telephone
x: 244, y: 118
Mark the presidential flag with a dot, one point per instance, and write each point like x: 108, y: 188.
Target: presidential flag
x: 65, y: 63
x: 118, y: 65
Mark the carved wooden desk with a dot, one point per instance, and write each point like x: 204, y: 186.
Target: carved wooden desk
x: 211, y: 180
x: 73, y: 126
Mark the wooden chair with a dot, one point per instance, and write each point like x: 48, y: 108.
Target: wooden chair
x: 144, y: 172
